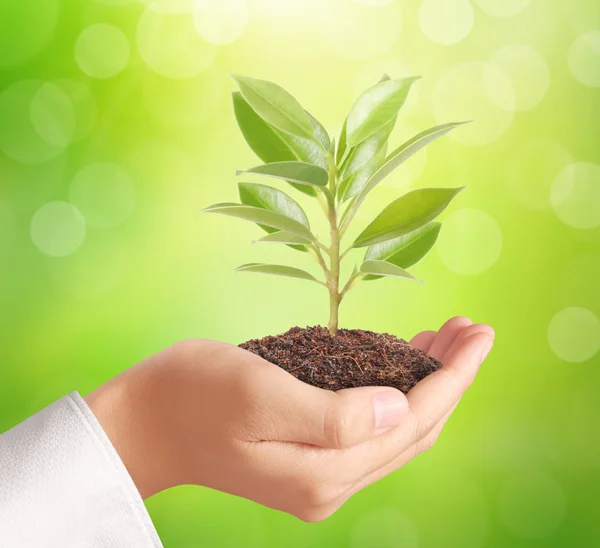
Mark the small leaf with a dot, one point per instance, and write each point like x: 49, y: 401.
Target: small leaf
x: 361, y: 155
x: 272, y: 145
x: 296, y: 172
x: 266, y: 197
x: 406, y: 214
x: 342, y: 147
x: 407, y: 250
x: 375, y: 108
x: 276, y: 106
x: 262, y: 217
x: 283, y: 238
x: 403, y: 153
x: 277, y: 270
x: 351, y: 186
x: 320, y: 132
x: 381, y: 268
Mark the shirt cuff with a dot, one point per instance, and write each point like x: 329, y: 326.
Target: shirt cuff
x: 62, y: 484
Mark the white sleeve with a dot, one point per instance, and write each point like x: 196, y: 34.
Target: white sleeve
x: 62, y: 485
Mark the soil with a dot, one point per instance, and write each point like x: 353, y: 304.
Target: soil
x: 351, y: 359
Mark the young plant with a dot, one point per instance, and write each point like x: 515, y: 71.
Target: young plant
x: 296, y: 148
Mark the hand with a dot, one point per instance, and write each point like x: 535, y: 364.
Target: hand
x: 211, y: 414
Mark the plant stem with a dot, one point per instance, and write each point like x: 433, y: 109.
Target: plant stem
x: 333, y: 280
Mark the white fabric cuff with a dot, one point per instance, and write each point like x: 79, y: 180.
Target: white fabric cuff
x: 62, y: 484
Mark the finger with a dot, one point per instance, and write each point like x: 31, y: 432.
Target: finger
x: 424, y: 340
x: 434, y: 396
x: 446, y: 336
x: 301, y: 413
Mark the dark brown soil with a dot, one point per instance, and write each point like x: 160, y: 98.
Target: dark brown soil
x: 352, y: 358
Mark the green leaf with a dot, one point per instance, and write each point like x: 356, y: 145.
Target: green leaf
x: 403, y: 153
x: 277, y: 270
x: 375, y: 108
x: 381, y: 268
x: 276, y: 106
x: 273, y: 199
x: 407, y: 250
x: 361, y: 155
x: 283, y: 238
x: 342, y: 147
x: 320, y: 132
x: 300, y: 173
x: 351, y: 186
x: 263, y: 217
x: 406, y: 214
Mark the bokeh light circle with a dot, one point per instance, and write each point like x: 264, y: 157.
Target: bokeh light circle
x: 84, y: 105
x: 170, y: 44
x: 446, y: 22
x: 463, y: 93
x: 532, y: 504
x: 19, y: 138
x: 528, y: 73
x: 503, y: 8
x: 104, y: 193
x: 574, y: 334
x: 575, y: 195
x: 531, y: 169
x: 369, y: 74
x: 384, y: 528
x: 221, y: 22
x: 58, y: 229
x: 584, y: 59
x: 470, y: 242
x: 53, y: 116
x: 102, y: 51
x: 26, y: 29
x: 360, y: 32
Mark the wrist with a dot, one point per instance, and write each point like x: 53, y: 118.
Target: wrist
x: 127, y: 409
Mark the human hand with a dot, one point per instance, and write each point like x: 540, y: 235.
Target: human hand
x: 212, y: 414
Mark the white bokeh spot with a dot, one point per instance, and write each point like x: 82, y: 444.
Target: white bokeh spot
x: 584, y: 59
x: 462, y: 93
x: 53, y: 115
x: 575, y: 195
x: 221, y: 22
x: 528, y: 73
x: 470, y: 242
x: 359, y: 32
x: 503, y: 8
x: 574, y: 334
x: 531, y: 169
x: 84, y: 105
x: 532, y: 504
x: 446, y: 22
x: 104, y: 193
x: 170, y: 45
x: 58, y: 229
x: 102, y: 51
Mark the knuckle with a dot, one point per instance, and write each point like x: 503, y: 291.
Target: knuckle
x: 315, y: 495
x: 314, y: 515
x: 337, y: 426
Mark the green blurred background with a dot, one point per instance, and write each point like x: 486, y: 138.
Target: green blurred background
x: 116, y: 127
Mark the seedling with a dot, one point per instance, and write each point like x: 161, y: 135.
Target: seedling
x: 296, y: 148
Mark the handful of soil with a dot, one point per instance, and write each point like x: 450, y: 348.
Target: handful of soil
x: 351, y: 359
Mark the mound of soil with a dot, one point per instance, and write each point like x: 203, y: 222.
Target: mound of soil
x: 351, y: 359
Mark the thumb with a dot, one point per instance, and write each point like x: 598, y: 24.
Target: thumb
x: 338, y: 420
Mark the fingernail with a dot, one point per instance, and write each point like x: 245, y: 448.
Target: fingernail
x: 390, y: 407
x: 486, y: 350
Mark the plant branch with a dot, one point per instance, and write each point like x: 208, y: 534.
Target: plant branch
x: 353, y: 280
x: 316, y: 253
x: 343, y: 255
